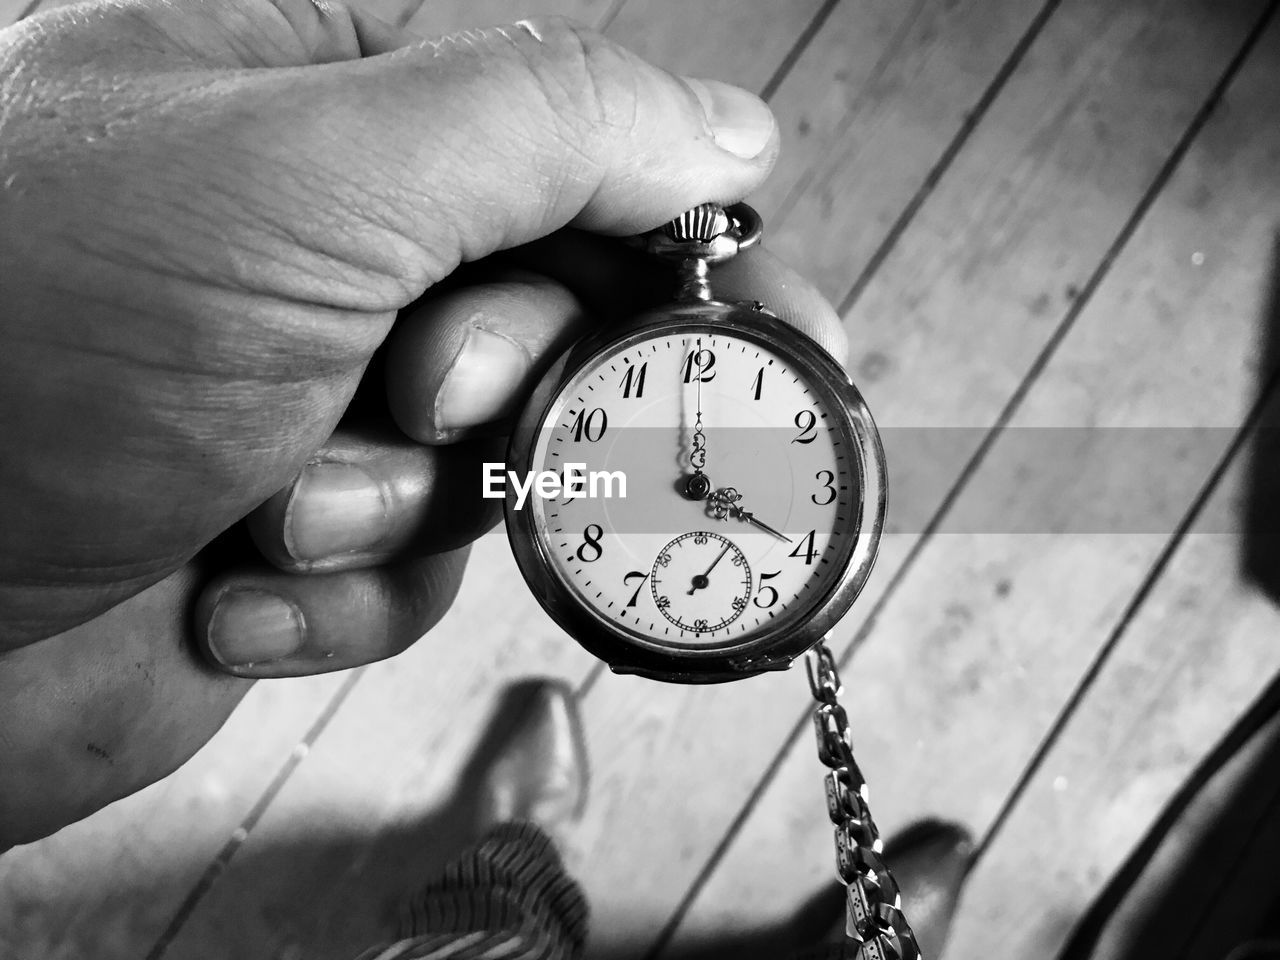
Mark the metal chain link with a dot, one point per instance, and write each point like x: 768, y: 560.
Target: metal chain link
x: 874, y: 921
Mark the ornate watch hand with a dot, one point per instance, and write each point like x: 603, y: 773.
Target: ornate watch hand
x: 697, y: 486
x: 724, y: 504
x: 750, y: 518
x: 700, y: 580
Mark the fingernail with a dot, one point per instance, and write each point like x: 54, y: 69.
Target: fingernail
x: 740, y: 121
x: 253, y: 626
x: 335, y: 508
x: 478, y: 387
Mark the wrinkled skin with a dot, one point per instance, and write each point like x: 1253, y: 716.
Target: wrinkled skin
x: 211, y: 216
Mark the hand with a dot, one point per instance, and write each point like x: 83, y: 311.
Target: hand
x: 206, y: 230
x: 702, y: 580
x: 724, y: 503
x: 696, y: 485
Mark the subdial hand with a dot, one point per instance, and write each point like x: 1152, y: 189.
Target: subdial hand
x: 724, y: 504
x: 701, y: 580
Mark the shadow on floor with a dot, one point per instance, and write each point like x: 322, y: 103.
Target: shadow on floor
x: 929, y: 859
x: 335, y: 894
x: 1225, y: 890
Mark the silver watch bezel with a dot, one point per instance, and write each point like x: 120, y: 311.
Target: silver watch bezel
x: 626, y: 651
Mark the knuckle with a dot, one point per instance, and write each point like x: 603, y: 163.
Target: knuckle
x: 587, y: 82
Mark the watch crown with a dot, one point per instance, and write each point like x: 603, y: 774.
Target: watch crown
x: 703, y: 223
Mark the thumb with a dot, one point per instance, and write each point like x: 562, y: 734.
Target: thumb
x: 492, y: 138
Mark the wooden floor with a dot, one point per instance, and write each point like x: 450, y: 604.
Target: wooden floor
x: 1040, y: 220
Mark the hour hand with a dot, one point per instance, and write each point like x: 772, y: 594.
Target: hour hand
x: 724, y: 503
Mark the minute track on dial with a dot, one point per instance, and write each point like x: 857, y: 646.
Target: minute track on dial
x: 786, y: 421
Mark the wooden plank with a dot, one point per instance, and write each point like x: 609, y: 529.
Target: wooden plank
x: 612, y: 792
x: 655, y: 748
x: 1246, y: 907
x: 260, y: 888
x: 998, y: 254
x: 1204, y: 644
x: 108, y: 885
x: 731, y: 40
x: 1203, y: 648
x: 1211, y: 881
x: 722, y: 759
x: 78, y: 889
x: 627, y: 904
x: 868, y: 111
x: 870, y: 105
x: 370, y: 812
x: 976, y: 653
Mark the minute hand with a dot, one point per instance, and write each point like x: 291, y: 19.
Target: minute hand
x: 724, y: 504
x: 750, y: 517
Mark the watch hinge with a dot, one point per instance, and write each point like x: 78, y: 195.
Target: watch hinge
x: 756, y: 664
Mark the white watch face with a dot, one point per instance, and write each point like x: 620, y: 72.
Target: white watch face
x: 767, y: 543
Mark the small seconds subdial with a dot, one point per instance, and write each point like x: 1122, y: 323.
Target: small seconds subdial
x: 701, y: 581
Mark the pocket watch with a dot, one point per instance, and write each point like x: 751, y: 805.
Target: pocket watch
x: 710, y: 486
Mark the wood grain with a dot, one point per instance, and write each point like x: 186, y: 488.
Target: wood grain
x: 980, y: 647
x: 646, y: 741
x: 739, y: 42
x: 1211, y: 883
x: 121, y: 905
x: 108, y: 885
x: 372, y: 811
x: 1204, y: 644
x: 111, y: 885
x: 271, y: 895
x: 985, y: 627
x: 870, y: 108
x: 648, y: 755
x: 733, y: 40
x: 1202, y: 650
